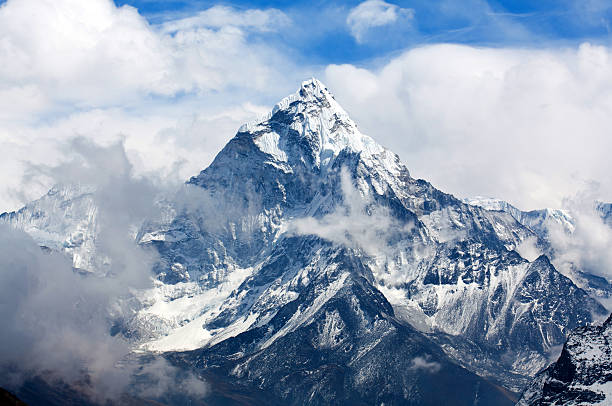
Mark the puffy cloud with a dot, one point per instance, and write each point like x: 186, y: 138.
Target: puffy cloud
x: 175, y: 141
x: 159, y: 379
x: 82, y: 52
x: 535, y: 119
x: 374, y: 13
x: 529, y: 126
x: 95, y: 54
x: 53, y: 318
x: 529, y: 249
x: 174, y: 91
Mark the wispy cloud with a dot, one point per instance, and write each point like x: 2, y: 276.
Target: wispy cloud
x: 423, y: 364
x: 223, y: 16
x: 357, y: 223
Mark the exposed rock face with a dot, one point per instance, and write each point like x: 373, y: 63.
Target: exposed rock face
x: 583, y: 373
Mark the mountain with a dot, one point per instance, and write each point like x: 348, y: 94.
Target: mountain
x: 606, y: 212
x: 543, y: 222
x: 305, y: 263
x: 581, y: 375
x: 539, y: 221
x: 64, y: 220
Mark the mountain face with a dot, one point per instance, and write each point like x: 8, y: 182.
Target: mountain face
x: 64, y: 220
x: 539, y: 221
x: 307, y: 264
x: 542, y: 223
x: 581, y: 375
x: 447, y: 268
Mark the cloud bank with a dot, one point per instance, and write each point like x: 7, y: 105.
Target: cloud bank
x: 588, y: 248
x: 529, y: 126
x: 525, y: 125
x: 57, y: 321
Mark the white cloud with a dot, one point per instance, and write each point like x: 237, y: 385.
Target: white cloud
x: 96, y: 54
x: 357, y: 223
x: 374, y: 13
x: 176, y: 141
x: 528, y: 249
x: 159, y: 378
x: 425, y: 365
x: 221, y: 16
x: 588, y: 247
x: 530, y: 126
x: 83, y: 52
x: 176, y: 92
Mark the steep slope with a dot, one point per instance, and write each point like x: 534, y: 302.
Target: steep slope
x: 8, y: 399
x: 581, y: 376
x: 338, y: 343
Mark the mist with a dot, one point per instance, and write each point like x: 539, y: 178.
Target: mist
x: 57, y: 320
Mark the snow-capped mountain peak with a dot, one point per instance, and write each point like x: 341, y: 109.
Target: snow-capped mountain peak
x: 537, y: 220
x: 312, y: 115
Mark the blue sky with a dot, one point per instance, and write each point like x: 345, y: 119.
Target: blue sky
x: 319, y: 34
